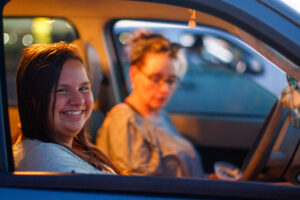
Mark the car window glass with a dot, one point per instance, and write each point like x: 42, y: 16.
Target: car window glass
x: 225, y: 75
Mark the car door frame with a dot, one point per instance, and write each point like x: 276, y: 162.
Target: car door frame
x: 6, y: 160
x: 132, y: 187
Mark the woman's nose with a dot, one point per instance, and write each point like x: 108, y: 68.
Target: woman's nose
x: 76, y: 98
x: 164, y: 87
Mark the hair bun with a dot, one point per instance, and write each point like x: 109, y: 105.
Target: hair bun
x: 134, y: 38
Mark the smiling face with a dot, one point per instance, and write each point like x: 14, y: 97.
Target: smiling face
x: 154, y: 82
x: 73, y: 102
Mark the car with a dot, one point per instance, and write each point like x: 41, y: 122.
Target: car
x: 228, y: 105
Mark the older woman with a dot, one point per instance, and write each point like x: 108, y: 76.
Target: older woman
x: 137, y: 135
x: 55, y: 102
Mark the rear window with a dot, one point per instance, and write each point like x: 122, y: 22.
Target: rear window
x: 22, y: 32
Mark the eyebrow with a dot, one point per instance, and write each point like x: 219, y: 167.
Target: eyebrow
x: 66, y: 85
x: 169, y: 76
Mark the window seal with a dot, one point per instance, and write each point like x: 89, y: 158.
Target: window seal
x: 146, y: 186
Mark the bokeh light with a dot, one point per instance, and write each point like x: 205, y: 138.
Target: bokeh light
x: 124, y: 37
x: 27, y: 40
x: 5, y: 38
x: 187, y: 40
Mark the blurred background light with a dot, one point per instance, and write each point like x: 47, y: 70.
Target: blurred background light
x: 218, y: 48
x: 5, y: 38
x: 27, y: 39
x: 241, y: 67
x: 49, y: 21
x: 41, y: 29
x: 68, y: 25
x: 187, y: 40
x: 123, y: 37
x: 13, y: 38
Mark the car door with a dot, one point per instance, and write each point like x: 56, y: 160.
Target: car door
x: 32, y: 185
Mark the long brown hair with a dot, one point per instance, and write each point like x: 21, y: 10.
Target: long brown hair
x: 38, y: 74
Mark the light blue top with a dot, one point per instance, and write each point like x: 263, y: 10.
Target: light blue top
x: 34, y: 155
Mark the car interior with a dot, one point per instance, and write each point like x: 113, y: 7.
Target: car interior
x: 231, y: 110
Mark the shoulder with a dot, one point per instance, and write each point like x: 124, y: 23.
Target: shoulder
x: 121, y: 114
x: 34, y: 155
x: 37, y: 151
x: 121, y: 108
x: 122, y: 123
x: 36, y: 147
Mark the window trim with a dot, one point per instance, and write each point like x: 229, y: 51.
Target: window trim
x: 6, y: 158
x: 130, y: 185
x: 147, y: 186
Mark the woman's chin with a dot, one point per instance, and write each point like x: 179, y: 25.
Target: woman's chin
x: 73, y: 130
x: 158, y: 106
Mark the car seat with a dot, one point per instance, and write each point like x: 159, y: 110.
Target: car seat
x: 14, y: 123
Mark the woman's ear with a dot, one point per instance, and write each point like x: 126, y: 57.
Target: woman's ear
x: 132, y: 73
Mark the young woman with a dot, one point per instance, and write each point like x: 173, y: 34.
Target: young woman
x: 55, y: 102
x: 137, y: 135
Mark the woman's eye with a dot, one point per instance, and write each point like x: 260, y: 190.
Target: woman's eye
x: 61, y: 90
x: 155, y: 78
x: 170, y: 81
x: 84, y: 88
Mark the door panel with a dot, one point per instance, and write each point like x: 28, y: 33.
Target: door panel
x: 220, y: 132
x: 219, y: 138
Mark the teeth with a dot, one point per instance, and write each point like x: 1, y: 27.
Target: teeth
x: 74, y: 112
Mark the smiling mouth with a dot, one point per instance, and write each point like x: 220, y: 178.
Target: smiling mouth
x: 73, y: 112
x: 73, y: 115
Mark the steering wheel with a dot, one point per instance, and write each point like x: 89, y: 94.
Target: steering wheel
x: 258, y: 156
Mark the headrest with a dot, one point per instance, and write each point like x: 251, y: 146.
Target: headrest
x: 92, y: 62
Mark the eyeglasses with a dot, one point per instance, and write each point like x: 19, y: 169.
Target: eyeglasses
x: 158, y: 79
